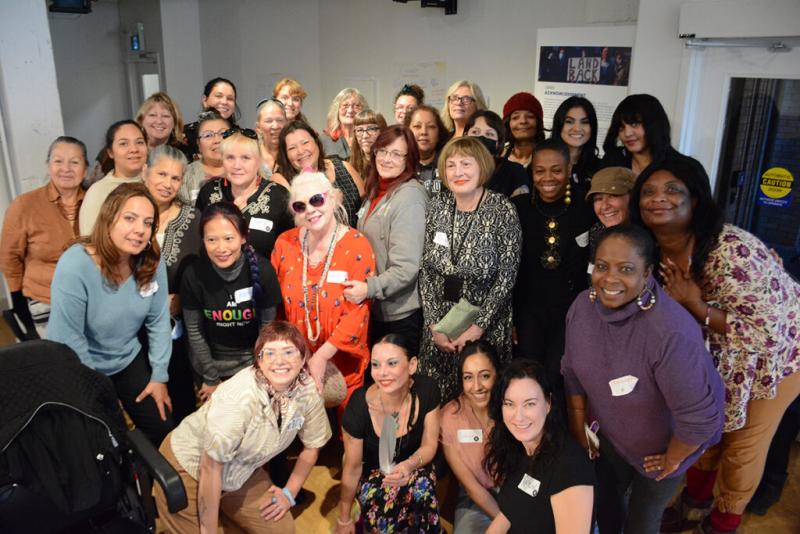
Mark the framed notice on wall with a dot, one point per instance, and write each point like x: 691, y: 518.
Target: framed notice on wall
x: 593, y: 62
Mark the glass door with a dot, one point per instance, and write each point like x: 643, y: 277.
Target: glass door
x: 758, y: 183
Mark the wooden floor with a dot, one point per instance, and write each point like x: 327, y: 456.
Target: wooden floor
x: 319, y: 512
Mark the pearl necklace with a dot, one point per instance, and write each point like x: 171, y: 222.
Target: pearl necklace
x: 312, y: 335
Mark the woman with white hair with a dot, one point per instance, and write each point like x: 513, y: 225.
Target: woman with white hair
x: 313, y: 261
x: 338, y: 135
x: 270, y: 120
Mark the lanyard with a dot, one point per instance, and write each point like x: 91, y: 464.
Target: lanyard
x: 456, y: 250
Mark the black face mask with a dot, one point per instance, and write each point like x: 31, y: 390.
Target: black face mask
x: 490, y: 144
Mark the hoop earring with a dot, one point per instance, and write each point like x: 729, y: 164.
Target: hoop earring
x: 640, y: 300
x: 592, y: 294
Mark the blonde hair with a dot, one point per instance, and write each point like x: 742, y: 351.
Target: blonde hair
x: 295, y: 89
x: 164, y: 99
x: 333, y: 124
x: 320, y: 181
x: 477, y: 94
x: 469, y: 147
x: 238, y: 139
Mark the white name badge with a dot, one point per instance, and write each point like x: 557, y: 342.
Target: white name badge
x: 440, y: 238
x: 583, y: 239
x: 470, y: 435
x: 529, y: 485
x: 296, y: 423
x: 337, y: 277
x: 149, y: 290
x: 360, y: 213
x: 622, y: 385
x: 243, y: 295
x: 263, y: 225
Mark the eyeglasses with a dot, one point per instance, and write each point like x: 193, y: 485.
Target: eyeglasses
x: 366, y: 130
x: 316, y: 201
x: 208, y: 134
x: 455, y: 99
x: 355, y: 107
x: 287, y: 354
x: 247, y: 132
x: 393, y: 155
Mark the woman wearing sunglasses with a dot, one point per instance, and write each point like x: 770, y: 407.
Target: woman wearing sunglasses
x: 262, y: 201
x: 301, y: 150
x: 227, y: 295
x: 313, y: 262
x: 270, y: 120
x: 393, y: 219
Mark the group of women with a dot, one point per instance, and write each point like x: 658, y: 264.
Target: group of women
x: 578, y: 334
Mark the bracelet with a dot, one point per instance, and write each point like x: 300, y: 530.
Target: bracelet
x: 419, y: 459
x: 707, y: 321
x: 344, y: 523
x: 289, y: 496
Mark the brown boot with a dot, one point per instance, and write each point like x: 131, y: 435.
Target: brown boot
x: 684, y: 514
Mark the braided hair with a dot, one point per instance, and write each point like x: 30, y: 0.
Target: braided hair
x: 230, y: 212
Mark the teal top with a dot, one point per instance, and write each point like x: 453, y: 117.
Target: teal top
x: 101, y: 323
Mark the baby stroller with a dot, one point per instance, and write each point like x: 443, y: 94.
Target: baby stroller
x: 67, y: 461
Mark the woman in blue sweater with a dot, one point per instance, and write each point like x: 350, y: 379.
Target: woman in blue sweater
x: 108, y: 288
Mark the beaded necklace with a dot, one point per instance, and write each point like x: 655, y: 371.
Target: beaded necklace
x: 314, y: 336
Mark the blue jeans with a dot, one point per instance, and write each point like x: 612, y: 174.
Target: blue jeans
x: 469, y: 519
x: 628, y: 501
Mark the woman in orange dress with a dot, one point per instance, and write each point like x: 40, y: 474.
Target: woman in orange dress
x: 312, y: 261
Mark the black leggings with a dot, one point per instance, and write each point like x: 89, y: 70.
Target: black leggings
x: 129, y: 383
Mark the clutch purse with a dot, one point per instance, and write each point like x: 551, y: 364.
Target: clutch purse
x: 334, y: 388
x: 460, y: 317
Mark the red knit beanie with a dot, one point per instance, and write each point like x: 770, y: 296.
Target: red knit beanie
x: 524, y: 101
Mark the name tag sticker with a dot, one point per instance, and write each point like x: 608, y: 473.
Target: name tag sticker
x: 583, y: 239
x: 529, y: 485
x: 296, y: 423
x: 470, y: 435
x: 622, y: 385
x: 440, y: 238
x: 263, y: 225
x: 149, y: 290
x: 337, y: 277
x: 243, y: 295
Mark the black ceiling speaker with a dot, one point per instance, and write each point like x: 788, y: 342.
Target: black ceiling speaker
x: 71, y: 6
x: 450, y: 6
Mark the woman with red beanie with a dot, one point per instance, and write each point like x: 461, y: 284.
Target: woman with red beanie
x: 523, y: 116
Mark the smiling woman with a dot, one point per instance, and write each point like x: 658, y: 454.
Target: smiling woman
x: 109, y: 287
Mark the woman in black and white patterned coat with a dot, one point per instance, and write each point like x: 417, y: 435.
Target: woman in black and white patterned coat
x: 472, y: 251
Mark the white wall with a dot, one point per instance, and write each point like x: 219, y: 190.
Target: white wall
x: 183, y: 63
x: 491, y: 43
x: 255, y: 43
x: 91, y: 76
x: 28, y: 91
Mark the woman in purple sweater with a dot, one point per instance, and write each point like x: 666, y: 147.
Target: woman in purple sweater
x: 635, y: 364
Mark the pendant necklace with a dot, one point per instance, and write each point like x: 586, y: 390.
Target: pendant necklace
x: 312, y: 335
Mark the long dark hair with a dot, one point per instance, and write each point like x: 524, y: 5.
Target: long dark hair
x: 284, y: 165
x: 444, y: 134
x: 230, y: 212
x: 105, y: 159
x: 210, y: 87
x: 587, y: 161
x: 505, y: 455
x: 470, y: 349
x: 385, y: 138
x: 707, y: 218
x: 641, y: 109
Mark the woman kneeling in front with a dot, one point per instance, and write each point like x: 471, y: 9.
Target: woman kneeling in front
x: 219, y: 451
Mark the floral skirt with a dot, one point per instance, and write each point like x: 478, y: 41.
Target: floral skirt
x: 409, y: 508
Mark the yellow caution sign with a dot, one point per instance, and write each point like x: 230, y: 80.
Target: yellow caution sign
x: 776, y: 187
